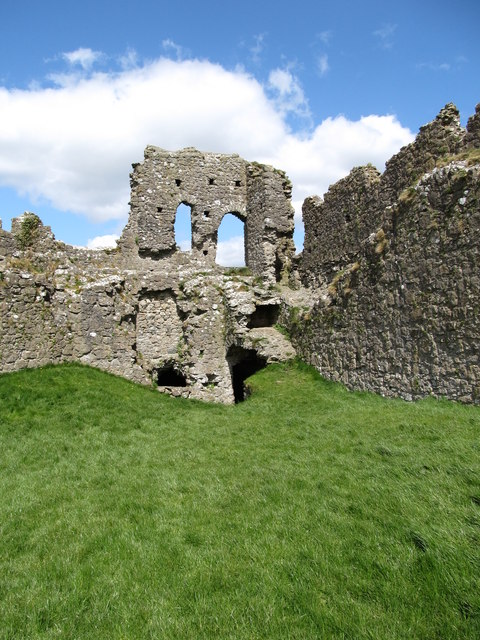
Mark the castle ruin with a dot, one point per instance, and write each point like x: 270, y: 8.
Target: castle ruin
x: 385, y: 295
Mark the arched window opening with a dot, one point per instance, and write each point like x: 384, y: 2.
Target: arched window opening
x: 183, y: 227
x: 231, y: 242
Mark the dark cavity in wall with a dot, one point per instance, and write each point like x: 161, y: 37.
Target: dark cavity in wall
x: 168, y: 376
x: 243, y: 363
x: 278, y: 268
x: 265, y: 315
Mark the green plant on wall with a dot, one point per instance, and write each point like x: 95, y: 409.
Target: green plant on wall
x: 28, y: 230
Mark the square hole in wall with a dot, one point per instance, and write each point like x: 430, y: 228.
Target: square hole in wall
x: 169, y: 376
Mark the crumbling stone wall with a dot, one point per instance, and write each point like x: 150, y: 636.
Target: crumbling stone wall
x: 336, y: 227
x: 398, y: 312
x: 148, y: 311
x: 385, y: 296
x: 212, y: 185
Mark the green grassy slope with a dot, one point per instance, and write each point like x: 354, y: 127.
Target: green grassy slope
x: 305, y: 512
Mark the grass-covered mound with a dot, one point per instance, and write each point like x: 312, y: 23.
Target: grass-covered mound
x: 305, y: 512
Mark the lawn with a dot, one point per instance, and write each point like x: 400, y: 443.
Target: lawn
x: 307, y: 511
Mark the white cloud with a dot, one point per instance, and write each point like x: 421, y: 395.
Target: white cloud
x: 178, y: 50
x: 288, y: 92
x: 257, y: 49
x: 73, y: 144
x: 129, y: 60
x: 281, y: 80
x: 322, y: 64
x: 103, y: 242
x: 231, y: 252
x: 385, y: 35
x: 85, y: 58
x: 333, y: 149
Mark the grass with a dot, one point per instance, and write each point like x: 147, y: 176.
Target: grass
x: 305, y: 512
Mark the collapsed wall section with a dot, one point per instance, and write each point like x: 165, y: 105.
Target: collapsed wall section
x: 168, y: 324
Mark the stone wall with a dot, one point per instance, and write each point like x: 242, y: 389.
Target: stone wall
x: 148, y: 311
x: 336, y: 227
x: 398, y: 312
x: 212, y: 185
x: 385, y: 296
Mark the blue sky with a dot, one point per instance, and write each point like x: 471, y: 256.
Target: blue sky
x: 314, y: 88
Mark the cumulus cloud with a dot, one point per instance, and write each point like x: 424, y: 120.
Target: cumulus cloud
x: 103, y: 242
x: 288, y: 92
x: 333, y: 149
x: 85, y: 58
x: 231, y: 252
x: 73, y: 143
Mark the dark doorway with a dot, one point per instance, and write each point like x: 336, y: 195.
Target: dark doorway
x: 265, y: 315
x: 243, y: 363
x: 168, y: 376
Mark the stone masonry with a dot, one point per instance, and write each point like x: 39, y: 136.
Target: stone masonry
x: 399, y: 296
x: 148, y: 311
x: 385, y: 296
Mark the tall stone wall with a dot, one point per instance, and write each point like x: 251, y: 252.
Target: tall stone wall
x: 336, y: 227
x: 398, y: 312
